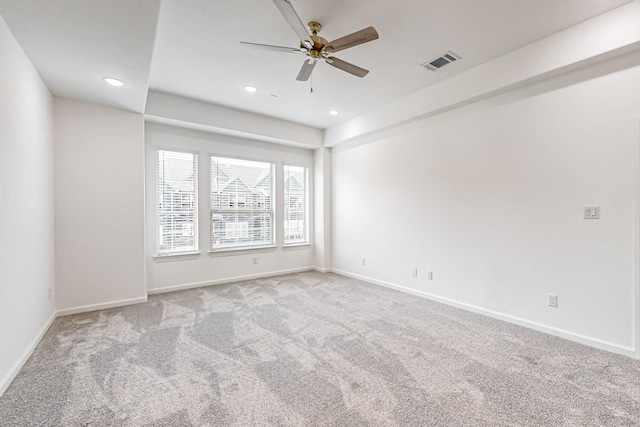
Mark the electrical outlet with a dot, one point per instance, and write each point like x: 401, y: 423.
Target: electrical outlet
x: 363, y: 261
x: 255, y: 260
x: 429, y: 275
x: 414, y: 272
x: 552, y: 300
x: 591, y: 212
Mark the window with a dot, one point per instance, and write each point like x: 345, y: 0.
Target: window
x: 176, y: 203
x: 241, y: 203
x: 295, y: 204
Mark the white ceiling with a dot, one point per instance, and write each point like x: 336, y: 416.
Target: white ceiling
x: 192, y: 48
x: 75, y: 43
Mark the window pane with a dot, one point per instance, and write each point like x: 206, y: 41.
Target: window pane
x: 295, y: 204
x: 241, y: 203
x: 241, y: 229
x: 176, y: 208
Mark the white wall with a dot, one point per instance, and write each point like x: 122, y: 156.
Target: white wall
x: 490, y: 199
x: 99, y: 205
x: 171, y: 272
x: 174, y: 110
x: 322, y: 209
x: 26, y: 207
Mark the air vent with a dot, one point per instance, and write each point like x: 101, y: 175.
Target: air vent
x: 441, y: 61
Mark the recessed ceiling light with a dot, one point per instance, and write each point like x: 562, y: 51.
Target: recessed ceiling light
x: 113, y: 82
x: 333, y: 113
x: 250, y: 89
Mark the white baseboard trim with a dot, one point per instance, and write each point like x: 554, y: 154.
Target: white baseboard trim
x: 103, y: 306
x: 184, y: 286
x: 579, y: 338
x: 6, y: 381
x: 322, y: 270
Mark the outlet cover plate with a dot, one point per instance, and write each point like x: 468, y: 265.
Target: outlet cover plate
x: 592, y: 212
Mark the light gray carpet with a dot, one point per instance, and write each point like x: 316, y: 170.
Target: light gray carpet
x: 312, y: 349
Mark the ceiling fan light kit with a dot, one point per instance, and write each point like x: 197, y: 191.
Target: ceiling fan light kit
x: 315, y: 47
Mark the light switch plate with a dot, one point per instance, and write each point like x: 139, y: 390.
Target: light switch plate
x: 592, y: 212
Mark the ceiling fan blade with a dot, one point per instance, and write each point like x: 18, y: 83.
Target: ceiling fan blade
x: 366, y: 35
x: 294, y: 21
x: 272, y: 48
x: 345, y: 66
x: 305, y: 71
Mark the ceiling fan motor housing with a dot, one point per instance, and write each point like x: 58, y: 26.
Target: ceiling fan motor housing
x: 314, y: 27
x: 318, y: 45
x: 318, y: 42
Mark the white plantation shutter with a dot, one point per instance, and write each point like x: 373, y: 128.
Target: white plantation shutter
x: 295, y: 204
x: 176, y: 202
x: 241, y: 203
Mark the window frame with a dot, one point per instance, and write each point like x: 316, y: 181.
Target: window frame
x: 196, y: 204
x: 307, y: 204
x: 273, y: 211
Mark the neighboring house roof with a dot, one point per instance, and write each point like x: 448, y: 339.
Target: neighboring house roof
x: 295, y: 181
x: 263, y: 175
x: 224, y: 185
x: 179, y: 184
x: 253, y: 181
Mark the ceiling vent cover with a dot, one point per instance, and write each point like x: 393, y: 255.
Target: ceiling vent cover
x: 441, y: 61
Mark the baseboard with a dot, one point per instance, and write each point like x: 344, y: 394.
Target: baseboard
x: 184, y: 286
x: 579, y: 338
x: 6, y: 381
x: 321, y: 270
x: 96, y: 307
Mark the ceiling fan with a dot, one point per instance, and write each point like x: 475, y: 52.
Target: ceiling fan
x: 316, y: 47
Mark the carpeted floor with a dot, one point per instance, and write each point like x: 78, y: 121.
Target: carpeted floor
x: 312, y: 349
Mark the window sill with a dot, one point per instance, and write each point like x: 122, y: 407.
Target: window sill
x: 242, y: 250
x: 178, y: 256
x: 296, y: 246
